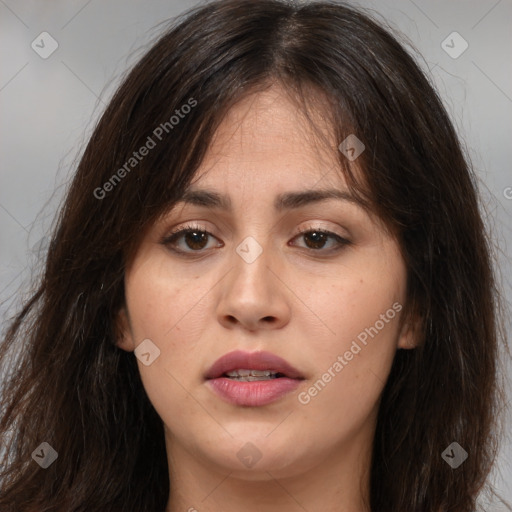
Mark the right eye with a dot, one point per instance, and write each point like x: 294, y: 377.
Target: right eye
x: 194, y: 238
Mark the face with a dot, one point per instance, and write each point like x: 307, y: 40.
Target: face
x: 318, y: 283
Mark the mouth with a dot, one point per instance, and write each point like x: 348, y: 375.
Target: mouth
x: 252, y: 378
x: 251, y: 366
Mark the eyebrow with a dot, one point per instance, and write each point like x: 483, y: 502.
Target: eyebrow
x: 284, y: 201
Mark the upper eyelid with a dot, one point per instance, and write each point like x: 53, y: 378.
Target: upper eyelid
x: 193, y: 225
x: 310, y: 210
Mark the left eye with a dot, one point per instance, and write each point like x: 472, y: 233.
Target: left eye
x: 197, y: 239
x: 318, y: 238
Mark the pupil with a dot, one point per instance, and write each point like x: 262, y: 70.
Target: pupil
x: 195, y: 239
x: 318, y: 238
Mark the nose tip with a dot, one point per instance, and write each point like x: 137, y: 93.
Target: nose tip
x: 252, y: 296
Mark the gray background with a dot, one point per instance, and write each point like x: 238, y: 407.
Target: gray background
x: 49, y: 107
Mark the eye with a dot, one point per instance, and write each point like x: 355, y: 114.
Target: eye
x: 316, y: 239
x: 194, y: 239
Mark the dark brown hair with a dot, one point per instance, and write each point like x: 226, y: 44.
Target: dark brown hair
x: 72, y: 387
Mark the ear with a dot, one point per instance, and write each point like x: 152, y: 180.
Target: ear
x: 123, y: 331
x: 411, y: 332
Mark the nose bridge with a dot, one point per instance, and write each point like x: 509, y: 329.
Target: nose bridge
x: 251, y: 294
x: 253, y: 252
x: 250, y: 261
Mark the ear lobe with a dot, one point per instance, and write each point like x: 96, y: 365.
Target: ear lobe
x: 124, y: 339
x: 410, y: 334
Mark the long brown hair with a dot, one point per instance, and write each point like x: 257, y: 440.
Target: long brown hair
x: 70, y: 386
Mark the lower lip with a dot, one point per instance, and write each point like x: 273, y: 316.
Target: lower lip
x: 253, y: 394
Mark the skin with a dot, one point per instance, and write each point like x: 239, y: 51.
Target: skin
x: 300, y: 300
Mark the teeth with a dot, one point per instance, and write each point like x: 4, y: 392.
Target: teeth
x: 250, y: 378
x: 251, y: 375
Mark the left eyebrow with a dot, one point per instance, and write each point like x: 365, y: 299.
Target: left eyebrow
x: 284, y: 201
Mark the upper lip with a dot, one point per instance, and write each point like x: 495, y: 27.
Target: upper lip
x: 240, y: 360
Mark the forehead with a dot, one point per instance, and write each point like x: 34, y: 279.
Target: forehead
x: 267, y: 139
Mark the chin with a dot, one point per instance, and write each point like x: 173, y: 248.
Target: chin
x: 254, y: 458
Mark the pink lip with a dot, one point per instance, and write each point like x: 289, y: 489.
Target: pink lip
x: 255, y: 393
x: 240, y: 360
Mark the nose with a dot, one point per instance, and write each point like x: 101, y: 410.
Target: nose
x: 252, y: 296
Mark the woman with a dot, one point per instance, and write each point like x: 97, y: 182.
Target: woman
x: 269, y: 288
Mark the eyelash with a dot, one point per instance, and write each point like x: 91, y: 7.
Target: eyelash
x: 171, y: 238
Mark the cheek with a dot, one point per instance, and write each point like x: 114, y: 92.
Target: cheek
x: 173, y: 311
x: 161, y: 307
x: 342, y: 397
x: 355, y: 297
x: 359, y: 312
x: 161, y: 302
x: 360, y: 336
